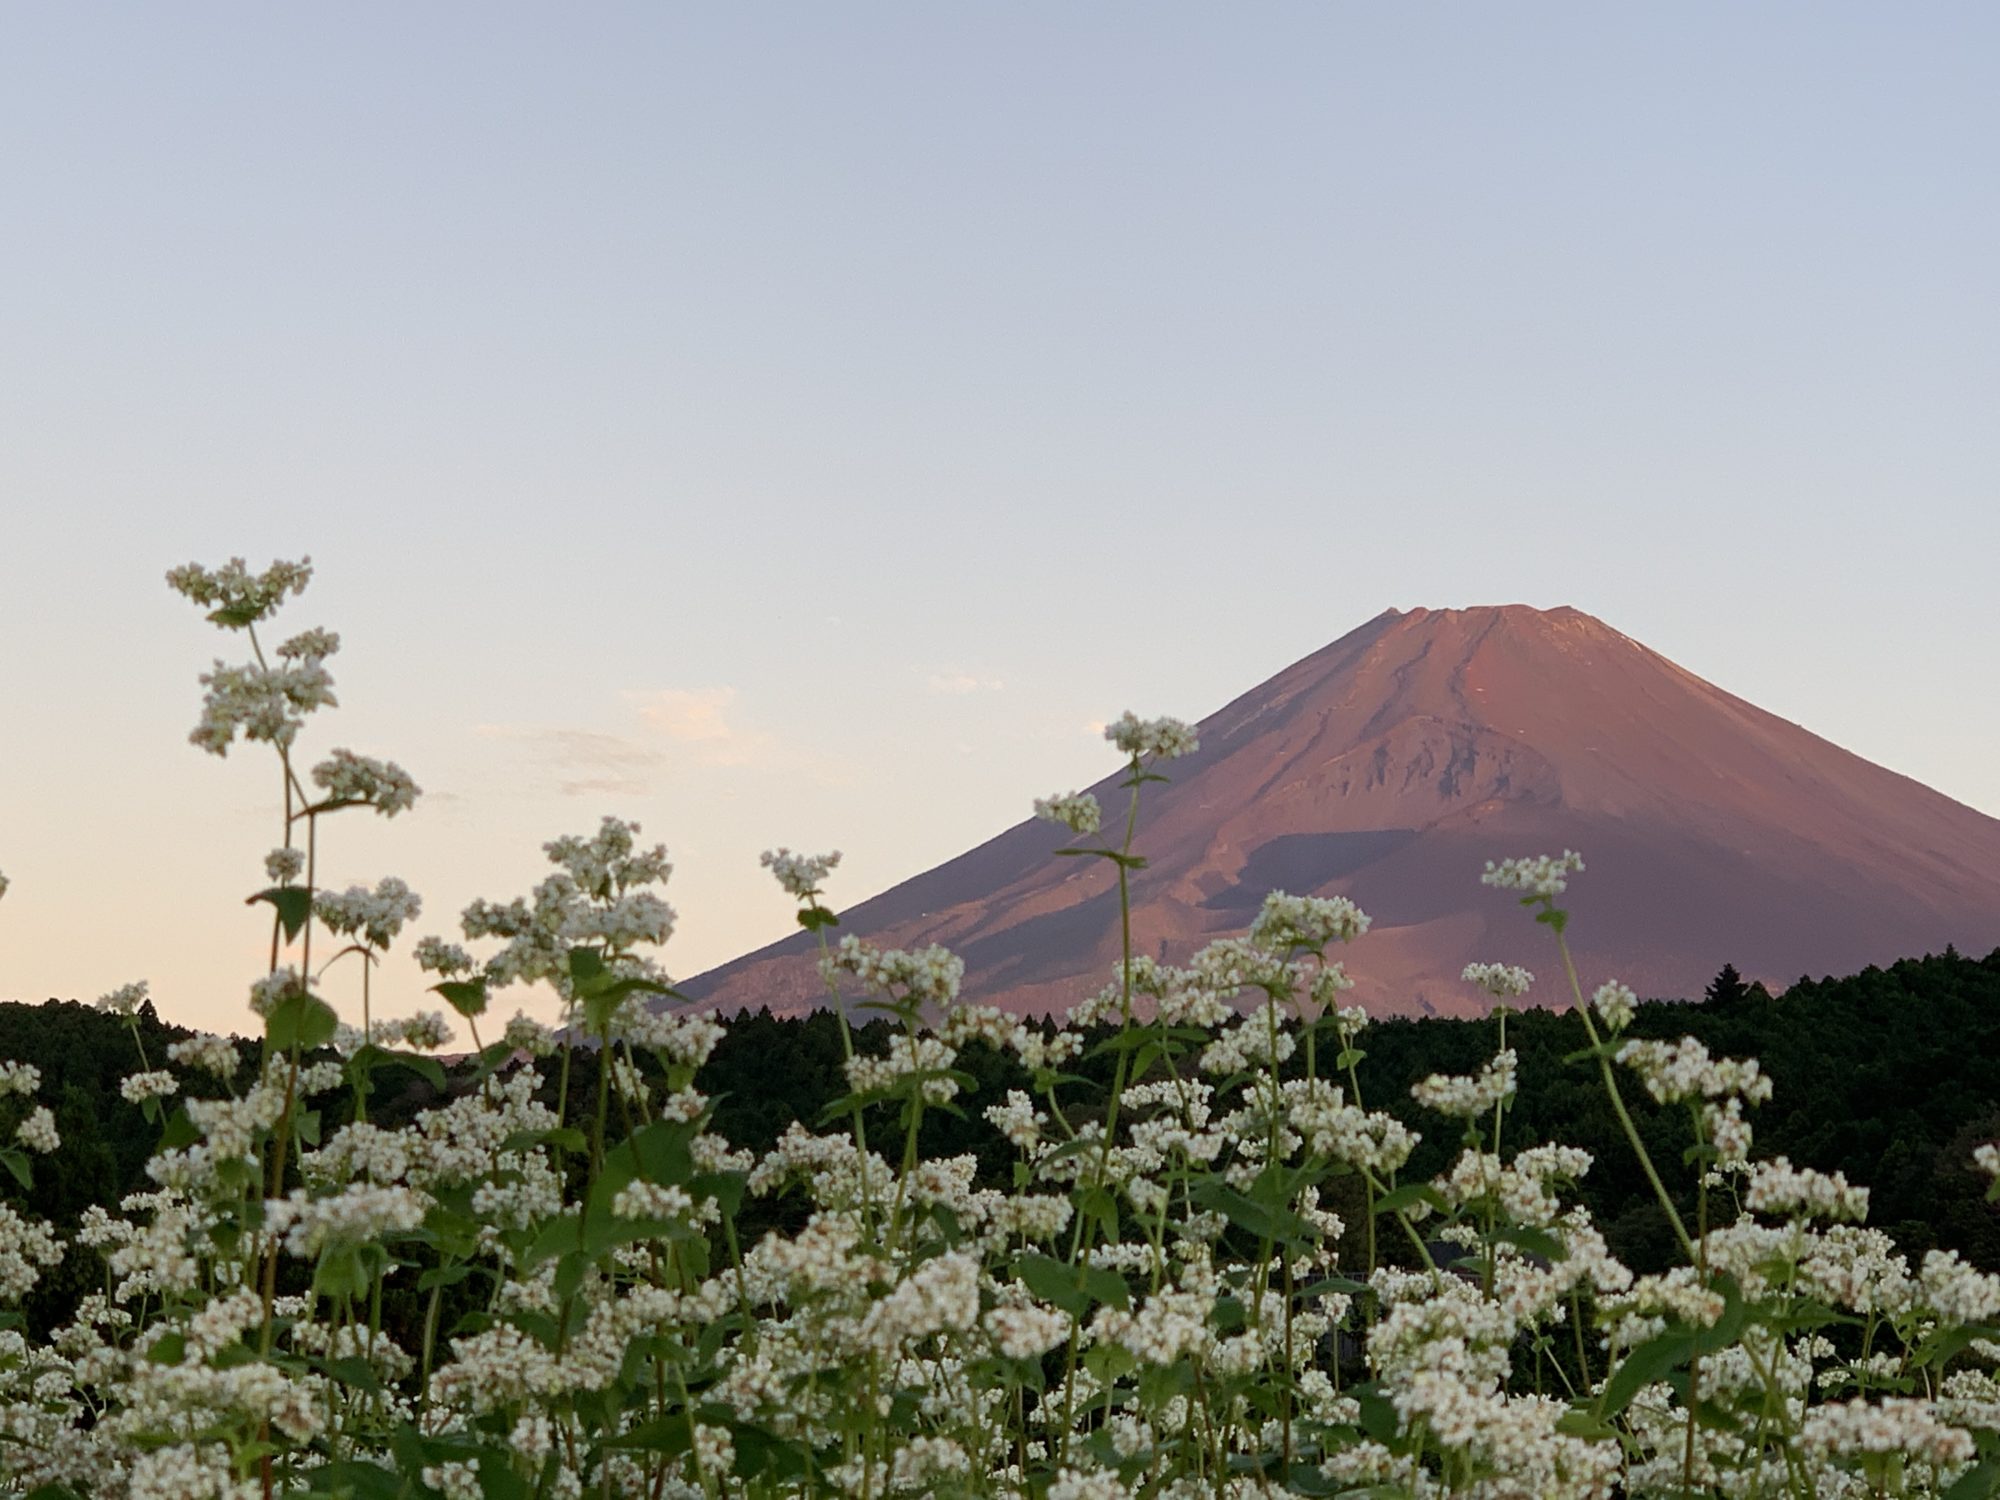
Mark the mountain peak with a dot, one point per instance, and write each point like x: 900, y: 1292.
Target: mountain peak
x: 1391, y: 764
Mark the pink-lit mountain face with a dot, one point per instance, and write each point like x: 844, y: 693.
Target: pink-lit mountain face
x: 1390, y: 766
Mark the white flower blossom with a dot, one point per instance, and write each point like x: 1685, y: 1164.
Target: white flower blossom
x: 138, y: 1087
x: 208, y: 1053
x: 381, y: 784
x: 1076, y: 811
x: 38, y: 1131
x: 1502, y: 981
x: 1538, y: 875
x: 241, y: 596
x: 1152, y: 739
x: 801, y: 875
x: 125, y: 1000
x: 1616, y: 1003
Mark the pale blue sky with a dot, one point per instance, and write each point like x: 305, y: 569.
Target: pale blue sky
x: 795, y: 424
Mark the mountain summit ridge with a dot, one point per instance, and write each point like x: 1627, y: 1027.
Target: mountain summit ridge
x: 1389, y: 765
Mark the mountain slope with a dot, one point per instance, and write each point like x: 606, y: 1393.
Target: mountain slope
x: 1392, y: 764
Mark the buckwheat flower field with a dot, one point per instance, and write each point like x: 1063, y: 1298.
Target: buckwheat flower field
x: 1167, y: 1295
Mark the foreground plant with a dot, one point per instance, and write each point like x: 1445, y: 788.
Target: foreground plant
x: 1159, y: 1297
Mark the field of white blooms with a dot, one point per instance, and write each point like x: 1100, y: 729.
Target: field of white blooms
x: 1155, y: 1306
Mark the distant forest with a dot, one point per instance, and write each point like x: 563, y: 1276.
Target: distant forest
x: 1891, y: 1076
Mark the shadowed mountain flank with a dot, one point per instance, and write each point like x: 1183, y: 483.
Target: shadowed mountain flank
x: 1392, y: 764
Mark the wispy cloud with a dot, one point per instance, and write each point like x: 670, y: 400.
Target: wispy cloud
x: 700, y: 719
x: 588, y: 762
x: 677, y: 729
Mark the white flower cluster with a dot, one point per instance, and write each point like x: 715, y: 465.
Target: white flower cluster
x: 284, y: 865
x: 610, y: 861
x: 596, y: 898
x: 1538, y: 875
x: 375, y: 917
x: 800, y: 875
x: 1616, y: 1003
x: 208, y: 1054
x: 924, y: 976
x: 1674, y: 1072
x: 359, y: 1213
x: 238, y: 595
x: 259, y: 703
x: 1777, y: 1187
x: 1076, y: 811
x: 38, y: 1131
x: 436, y: 956
x: 1151, y: 739
x: 1286, y: 922
x: 1468, y: 1098
x: 310, y: 645
x: 1502, y: 981
x: 923, y: 1057
x: 347, y: 778
x: 125, y: 1000
x: 136, y: 1088
x: 651, y: 1200
x: 426, y: 1031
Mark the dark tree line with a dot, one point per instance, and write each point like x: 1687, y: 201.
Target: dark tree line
x: 1890, y: 1075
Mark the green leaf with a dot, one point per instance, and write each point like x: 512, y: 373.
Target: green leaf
x: 1943, y: 1345
x: 1980, y: 1482
x: 497, y: 1479
x: 355, y: 1373
x: 602, y: 997
x: 466, y: 996
x: 17, y: 1163
x: 1101, y: 1204
x: 815, y: 917
x: 1533, y: 1241
x: 292, y: 902
x: 586, y: 967
x: 759, y: 1452
x: 1411, y: 1193
x: 1378, y: 1413
x: 1074, y: 1289
x: 657, y: 1152
x: 1276, y: 1224
x: 555, y: 1236
x: 439, y: 1276
x: 340, y: 1272
x: 371, y: 1057
x: 1725, y: 1329
x: 301, y: 1020
x: 168, y: 1349
x: 1588, y: 1425
x: 1642, y: 1366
